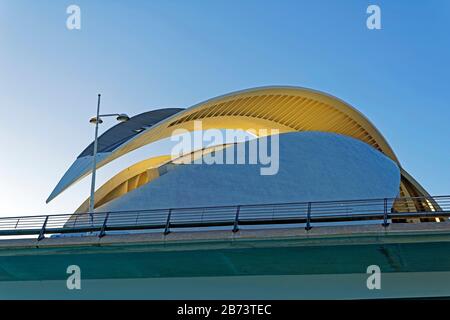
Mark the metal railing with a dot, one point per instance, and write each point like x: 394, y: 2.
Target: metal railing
x: 304, y: 214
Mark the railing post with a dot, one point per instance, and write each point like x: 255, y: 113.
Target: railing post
x: 137, y: 217
x: 167, y: 229
x: 236, y: 220
x: 103, y: 230
x: 75, y: 220
x: 385, y: 214
x: 42, y: 233
x: 308, y: 217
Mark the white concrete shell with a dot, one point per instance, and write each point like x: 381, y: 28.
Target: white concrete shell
x: 313, y: 166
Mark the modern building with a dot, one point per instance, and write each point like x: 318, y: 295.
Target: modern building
x: 333, y: 202
x: 348, y: 152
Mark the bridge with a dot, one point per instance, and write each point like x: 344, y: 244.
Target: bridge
x: 286, y: 251
x: 307, y: 214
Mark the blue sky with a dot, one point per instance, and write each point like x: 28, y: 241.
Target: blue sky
x: 143, y: 55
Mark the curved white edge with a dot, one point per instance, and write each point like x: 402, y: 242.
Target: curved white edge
x: 78, y: 170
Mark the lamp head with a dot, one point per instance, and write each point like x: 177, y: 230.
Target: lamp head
x: 123, y: 117
x: 94, y: 120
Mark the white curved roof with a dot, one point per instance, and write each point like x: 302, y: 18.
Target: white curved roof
x: 313, y: 166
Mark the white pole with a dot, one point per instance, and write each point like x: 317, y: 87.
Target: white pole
x: 94, y: 162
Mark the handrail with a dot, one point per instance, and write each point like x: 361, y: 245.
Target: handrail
x: 310, y: 214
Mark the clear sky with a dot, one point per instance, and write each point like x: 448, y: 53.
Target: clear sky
x: 143, y: 55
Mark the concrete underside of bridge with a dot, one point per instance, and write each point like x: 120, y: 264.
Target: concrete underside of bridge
x: 289, y: 263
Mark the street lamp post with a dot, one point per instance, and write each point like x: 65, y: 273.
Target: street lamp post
x: 98, y: 120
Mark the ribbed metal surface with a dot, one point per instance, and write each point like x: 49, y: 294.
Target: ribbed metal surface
x: 122, y: 132
x: 295, y: 112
